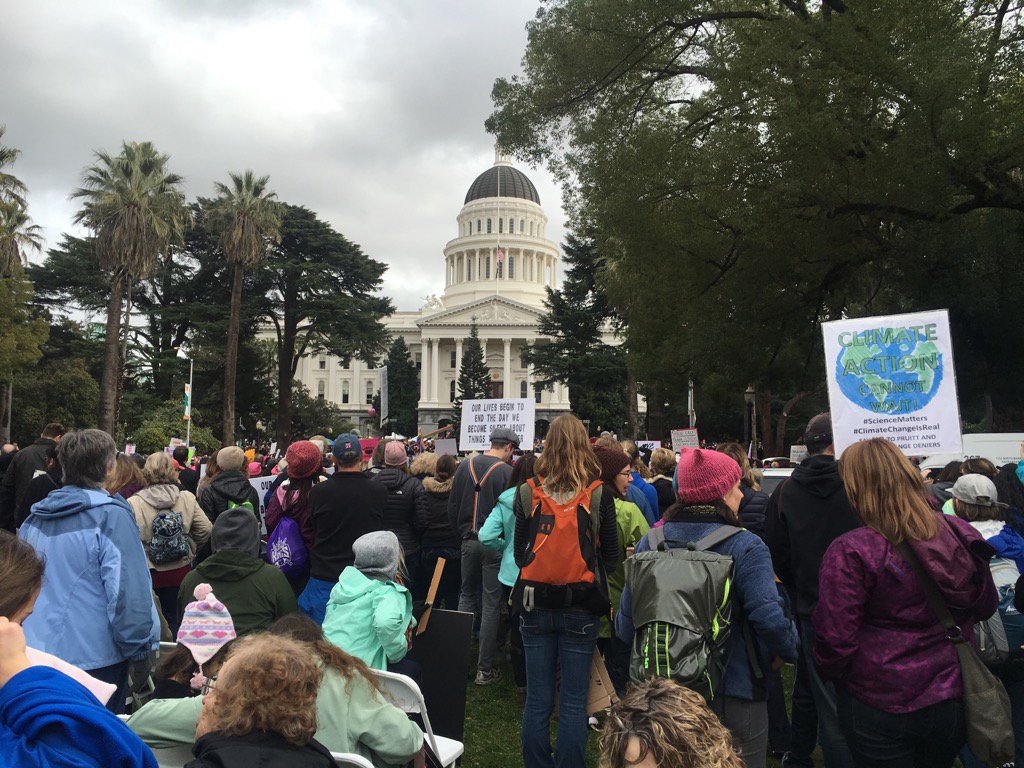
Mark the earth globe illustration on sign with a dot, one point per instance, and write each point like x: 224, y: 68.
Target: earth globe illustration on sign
x: 898, y: 376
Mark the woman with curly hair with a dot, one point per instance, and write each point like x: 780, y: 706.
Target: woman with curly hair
x: 261, y: 709
x: 660, y: 723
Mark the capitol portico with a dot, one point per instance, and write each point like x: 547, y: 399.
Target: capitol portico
x: 496, y: 271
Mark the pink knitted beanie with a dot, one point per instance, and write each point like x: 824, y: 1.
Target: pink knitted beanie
x: 703, y: 476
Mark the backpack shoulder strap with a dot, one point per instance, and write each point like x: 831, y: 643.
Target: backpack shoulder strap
x: 716, y: 537
x: 525, y: 494
x: 656, y: 539
x: 596, y: 495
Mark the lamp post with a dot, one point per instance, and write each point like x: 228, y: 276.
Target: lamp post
x: 748, y: 422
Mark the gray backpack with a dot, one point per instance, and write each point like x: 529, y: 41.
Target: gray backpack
x: 682, y: 610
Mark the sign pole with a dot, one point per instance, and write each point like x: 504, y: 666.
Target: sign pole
x: 188, y: 407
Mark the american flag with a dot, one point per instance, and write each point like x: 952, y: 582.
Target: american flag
x: 501, y: 254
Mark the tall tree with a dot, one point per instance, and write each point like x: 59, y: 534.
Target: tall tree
x: 248, y: 218
x: 323, y: 299
x: 751, y: 170
x: 12, y: 189
x: 576, y: 355
x: 403, y: 389
x: 474, y: 378
x: 134, y: 208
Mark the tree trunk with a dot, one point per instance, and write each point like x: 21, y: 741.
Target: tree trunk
x: 763, y: 401
x: 106, y: 415
x: 780, y: 427
x: 632, y: 412
x: 6, y: 398
x: 285, y: 355
x: 227, y: 430
x: 656, y: 413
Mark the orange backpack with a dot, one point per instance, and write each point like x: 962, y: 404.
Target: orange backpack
x: 563, y: 567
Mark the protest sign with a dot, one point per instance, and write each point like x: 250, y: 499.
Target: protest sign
x: 892, y: 376
x: 480, y: 417
x: 684, y: 438
x: 797, y: 453
x: 262, y: 485
x: 384, y: 396
x: 129, y: 449
x: 648, y: 445
x: 447, y: 446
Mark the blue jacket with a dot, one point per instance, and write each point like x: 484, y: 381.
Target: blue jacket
x: 756, y: 601
x: 638, y: 497
x: 96, y: 606
x: 47, y: 720
x: 651, y: 494
x: 498, y: 532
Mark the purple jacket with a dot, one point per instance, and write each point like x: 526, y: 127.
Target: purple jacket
x: 876, y: 634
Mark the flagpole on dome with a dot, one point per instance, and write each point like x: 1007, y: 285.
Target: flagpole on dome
x: 499, y: 254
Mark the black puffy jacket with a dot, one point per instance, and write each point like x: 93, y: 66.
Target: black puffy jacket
x: 752, y: 510
x: 227, y: 487
x: 435, y: 524
x: 406, y: 504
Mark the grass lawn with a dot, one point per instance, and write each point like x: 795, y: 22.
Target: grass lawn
x: 493, y: 725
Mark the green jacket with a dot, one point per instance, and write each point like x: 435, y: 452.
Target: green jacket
x: 351, y: 717
x: 498, y: 532
x: 368, y: 618
x: 256, y: 593
x: 632, y: 526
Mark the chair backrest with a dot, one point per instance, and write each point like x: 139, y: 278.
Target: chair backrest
x: 347, y: 758
x: 167, y: 647
x: 405, y: 694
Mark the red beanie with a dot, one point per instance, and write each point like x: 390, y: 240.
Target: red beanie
x: 703, y: 476
x: 303, y: 459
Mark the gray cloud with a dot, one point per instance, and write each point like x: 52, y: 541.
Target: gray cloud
x: 368, y: 112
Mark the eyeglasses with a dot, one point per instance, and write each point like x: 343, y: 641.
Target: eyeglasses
x: 626, y: 473
x: 208, y: 685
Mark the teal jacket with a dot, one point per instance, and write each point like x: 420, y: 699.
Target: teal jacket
x: 498, y: 532
x: 368, y: 618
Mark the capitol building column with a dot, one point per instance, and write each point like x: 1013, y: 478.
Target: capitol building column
x: 435, y: 371
x: 506, y: 372
x: 424, y: 369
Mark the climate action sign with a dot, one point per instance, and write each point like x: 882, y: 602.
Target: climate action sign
x: 892, y: 377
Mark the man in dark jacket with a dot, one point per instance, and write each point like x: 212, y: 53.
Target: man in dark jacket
x: 475, y: 489
x: 188, y: 478
x: 345, y: 506
x: 23, y: 467
x: 804, y: 516
x: 405, y: 507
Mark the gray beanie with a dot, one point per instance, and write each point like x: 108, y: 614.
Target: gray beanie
x: 237, y: 528
x: 377, y: 555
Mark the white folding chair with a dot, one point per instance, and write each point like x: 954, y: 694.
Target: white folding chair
x: 166, y: 648
x: 403, y: 692
x: 347, y: 758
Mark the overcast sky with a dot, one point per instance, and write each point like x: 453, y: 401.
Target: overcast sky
x: 369, y: 112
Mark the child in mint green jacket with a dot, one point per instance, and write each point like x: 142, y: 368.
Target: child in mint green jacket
x: 369, y: 614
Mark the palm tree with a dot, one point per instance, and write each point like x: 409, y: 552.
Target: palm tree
x: 11, y: 187
x: 17, y: 236
x: 248, y: 217
x: 134, y: 208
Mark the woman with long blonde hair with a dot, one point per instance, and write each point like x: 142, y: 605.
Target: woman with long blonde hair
x: 562, y: 589
x: 900, y: 692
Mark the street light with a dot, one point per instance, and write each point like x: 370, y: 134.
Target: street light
x: 748, y: 422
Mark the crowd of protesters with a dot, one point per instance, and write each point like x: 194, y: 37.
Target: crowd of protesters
x: 284, y: 602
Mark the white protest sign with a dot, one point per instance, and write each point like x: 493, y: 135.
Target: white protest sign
x: 129, y: 449
x: 649, y: 445
x: 480, y: 417
x: 447, y: 446
x: 797, y: 453
x: 262, y: 485
x: 684, y: 438
x: 892, y: 376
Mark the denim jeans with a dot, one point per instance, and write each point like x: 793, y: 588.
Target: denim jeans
x: 747, y: 721
x: 553, y: 640
x: 1015, y: 690
x: 830, y: 736
x: 927, y: 738
x: 480, y: 567
x: 804, y: 726
x: 117, y: 675
x: 451, y: 578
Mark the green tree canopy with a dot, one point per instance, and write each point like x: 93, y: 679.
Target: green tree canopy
x: 750, y: 170
x: 474, y: 381
x: 403, y: 389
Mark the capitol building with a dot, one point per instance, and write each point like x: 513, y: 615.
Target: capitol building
x: 496, y: 271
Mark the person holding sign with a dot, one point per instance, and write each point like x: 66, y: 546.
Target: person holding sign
x: 477, y: 484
